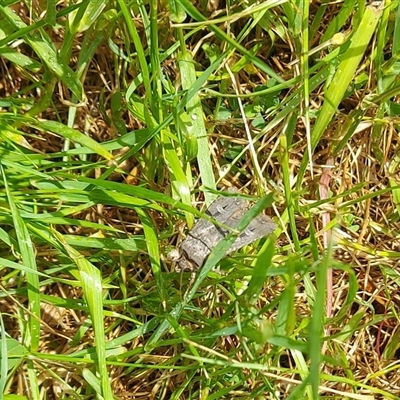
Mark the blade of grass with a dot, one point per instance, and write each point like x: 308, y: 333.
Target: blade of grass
x: 179, y: 181
x: 92, y: 287
x: 195, y: 111
x: 47, y: 53
x: 304, y: 371
x: 141, y: 58
x: 287, y: 183
x: 194, y: 13
x: 343, y: 75
x: 260, y: 272
x: 33, y: 379
x: 84, y: 17
x: 393, y: 168
x: 31, y: 336
x: 305, y: 74
x: 317, y: 322
x: 152, y: 244
x: 340, y: 19
x: 51, y: 12
x: 385, y: 79
x: 4, y: 356
x: 20, y: 59
x: 74, y: 135
x: 155, y: 63
x: 26, y: 248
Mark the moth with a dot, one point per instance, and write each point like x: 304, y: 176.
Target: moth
x: 195, y: 248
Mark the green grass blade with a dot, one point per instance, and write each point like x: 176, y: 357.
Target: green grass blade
x: 194, y: 13
x: 260, y: 272
x: 92, y: 287
x: 51, y: 12
x: 20, y: 59
x: 317, y: 323
x: 26, y: 249
x: 33, y: 379
x: 179, y: 181
x: 47, y: 53
x: 3, y: 356
x: 152, y: 244
x: 343, y: 76
x: 141, y: 57
x: 340, y: 19
x: 304, y: 69
x: 76, y: 136
x: 84, y: 17
x: 196, y: 114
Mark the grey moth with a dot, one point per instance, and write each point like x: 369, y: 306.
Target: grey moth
x: 195, y: 248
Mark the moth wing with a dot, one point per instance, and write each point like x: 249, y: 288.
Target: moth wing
x: 258, y: 228
x: 221, y: 210
x: 205, y: 235
x: 194, y: 250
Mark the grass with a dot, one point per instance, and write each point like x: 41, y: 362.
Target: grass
x: 119, y: 121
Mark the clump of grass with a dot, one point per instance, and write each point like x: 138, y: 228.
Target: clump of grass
x: 119, y: 120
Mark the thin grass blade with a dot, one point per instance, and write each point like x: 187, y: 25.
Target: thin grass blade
x: 342, y: 77
x: 195, y: 111
x: 42, y: 45
x: 154, y: 253
x: 26, y: 248
x: 74, y: 135
x: 92, y: 287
